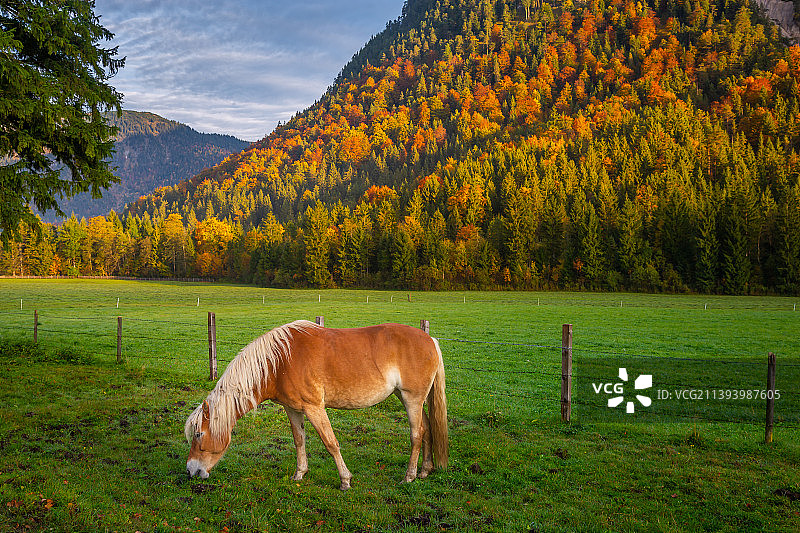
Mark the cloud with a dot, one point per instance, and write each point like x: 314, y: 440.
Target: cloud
x: 232, y: 66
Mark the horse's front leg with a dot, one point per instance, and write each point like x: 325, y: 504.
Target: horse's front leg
x: 299, y: 434
x: 319, y: 419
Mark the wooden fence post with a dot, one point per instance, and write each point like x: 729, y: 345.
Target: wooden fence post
x: 212, y: 346
x: 566, y: 372
x: 320, y: 321
x: 119, y: 339
x: 425, y: 326
x: 35, y: 326
x: 770, y: 397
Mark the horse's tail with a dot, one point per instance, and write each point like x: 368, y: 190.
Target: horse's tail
x: 437, y: 411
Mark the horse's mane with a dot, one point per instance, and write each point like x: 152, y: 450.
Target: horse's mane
x: 234, y: 393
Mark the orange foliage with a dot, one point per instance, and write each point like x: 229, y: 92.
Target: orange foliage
x: 376, y: 195
x: 56, y: 267
x: 653, y: 64
x: 567, y: 74
x: 644, y: 27
x: 470, y: 201
x: 581, y: 127
x: 794, y: 60
x: 588, y: 29
x: 354, y: 148
x: 409, y: 72
x: 418, y: 140
x: 425, y: 179
x: 781, y: 69
x: 209, y: 265
x: 519, y: 65
x: 468, y: 233
x: 658, y: 95
x: 486, y: 102
x: 565, y: 22
x: 440, y: 134
x: 504, y: 61
x: 754, y: 88
x: 423, y: 114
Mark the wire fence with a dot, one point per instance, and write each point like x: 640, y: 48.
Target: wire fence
x: 514, y: 375
x: 103, y: 297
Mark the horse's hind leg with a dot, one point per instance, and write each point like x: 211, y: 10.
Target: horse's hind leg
x: 299, y: 434
x: 418, y: 430
x: 427, y: 448
x: 319, y: 419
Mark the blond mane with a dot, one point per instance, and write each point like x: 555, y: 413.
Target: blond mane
x: 234, y: 393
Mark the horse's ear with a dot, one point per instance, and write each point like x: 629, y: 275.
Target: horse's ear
x: 206, y: 410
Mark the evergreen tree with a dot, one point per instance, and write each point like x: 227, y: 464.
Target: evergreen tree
x: 316, y: 246
x: 736, y: 268
x: 588, y: 262
x: 788, y: 246
x: 404, y: 258
x: 53, y: 95
x: 631, y: 243
x: 707, y: 246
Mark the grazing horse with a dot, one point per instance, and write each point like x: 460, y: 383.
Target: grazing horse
x: 306, y: 368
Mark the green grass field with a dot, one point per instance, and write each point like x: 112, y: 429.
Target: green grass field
x: 90, y: 445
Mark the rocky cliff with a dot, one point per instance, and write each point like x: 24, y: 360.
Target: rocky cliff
x: 782, y: 14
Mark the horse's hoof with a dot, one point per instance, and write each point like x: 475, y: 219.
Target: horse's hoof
x: 345, y: 486
x: 424, y: 471
x: 298, y: 476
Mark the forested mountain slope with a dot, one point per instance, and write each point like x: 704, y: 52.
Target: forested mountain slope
x: 646, y: 145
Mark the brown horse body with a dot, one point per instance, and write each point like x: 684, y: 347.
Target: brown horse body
x: 306, y: 368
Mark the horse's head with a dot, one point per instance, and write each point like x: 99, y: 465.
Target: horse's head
x: 207, y: 449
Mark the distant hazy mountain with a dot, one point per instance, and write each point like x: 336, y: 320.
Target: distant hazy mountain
x: 152, y: 152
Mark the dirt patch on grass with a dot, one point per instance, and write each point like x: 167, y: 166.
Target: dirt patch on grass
x: 203, y: 488
x: 793, y: 495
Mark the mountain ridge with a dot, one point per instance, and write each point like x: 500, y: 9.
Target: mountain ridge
x: 151, y: 152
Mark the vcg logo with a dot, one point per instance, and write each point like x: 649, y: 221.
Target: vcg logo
x: 644, y: 381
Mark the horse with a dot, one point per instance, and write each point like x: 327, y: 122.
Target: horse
x: 306, y: 368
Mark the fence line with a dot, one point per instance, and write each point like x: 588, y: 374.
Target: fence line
x: 708, y: 304
x: 448, y: 339
x: 701, y: 303
x: 668, y: 357
x: 501, y: 343
x: 566, y: 373
x: 497, y: 371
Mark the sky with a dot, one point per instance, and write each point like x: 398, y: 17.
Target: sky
x: 235, y: 67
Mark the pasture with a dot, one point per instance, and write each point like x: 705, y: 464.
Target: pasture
x: 89, y: 444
